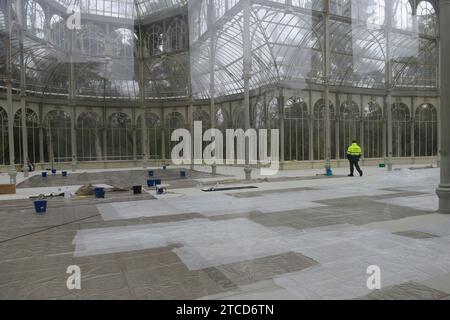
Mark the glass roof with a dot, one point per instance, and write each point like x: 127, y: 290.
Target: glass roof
x: 287, y: 49
x: 121, y: 8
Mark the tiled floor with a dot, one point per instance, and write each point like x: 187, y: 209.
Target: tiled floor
x: 293, y: 237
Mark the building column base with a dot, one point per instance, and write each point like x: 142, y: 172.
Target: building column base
x: 443, y: 192
x: 12, y: 175
x: 74, y: 164
x: 248, y: 172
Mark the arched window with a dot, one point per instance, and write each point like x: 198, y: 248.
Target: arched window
x: 155, y: 40
x: 35, y: 17
x: 57, y: 30
x: 259, y: 116
x: 153, y: 136
x: 239, y: 118
x: 203, y: 116
x: 222, y: 119
x: 119, y: 137
x: 341, y: 7
x: 349, y: 126
x: 426, y: 18
x: 32, y: 136
x: 91, y: 40
x: 176, y: 35
x: 319, y: 130
x: 174, y: 120
x: 4, y: 149
x: 402, y: 15
x: 122, y: 42
x: 296, y: 130
x: 89, y: 137
x: 273, y: 114
x: 373, y: 130
x: 425, y: 131
x: 401, y: 130
x: 58, y: 136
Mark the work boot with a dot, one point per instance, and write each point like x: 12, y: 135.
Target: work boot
x: 360, y: 174
x: 349, y: 175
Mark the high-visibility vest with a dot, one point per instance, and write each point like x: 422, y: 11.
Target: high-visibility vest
x: 354, y: 150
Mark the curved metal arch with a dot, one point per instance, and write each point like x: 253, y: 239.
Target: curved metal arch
x: 46, y: 116
x: 426, y: 107
x: 31, y: 116
x: 97, y: 118
x: 150, y: 124
x: 122, y: 118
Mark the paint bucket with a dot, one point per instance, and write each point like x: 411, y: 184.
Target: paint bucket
x: 40, y: 206
x: 53, y: 172
x: 137, y: 189
x: 64, y: 173
x: 329, y: 172
x: 44, y: 174
x: 157, y: 181
x: 183, y: 173
x: 151, y: 173
x: 99, y: 192
x: 150, y: 183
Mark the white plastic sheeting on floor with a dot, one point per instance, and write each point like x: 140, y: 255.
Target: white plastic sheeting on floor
x: 426, y: 202
x: 343, y: 252
x: 213, y: 204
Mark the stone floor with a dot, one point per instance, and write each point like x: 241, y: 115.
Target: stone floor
x: 298, y: 235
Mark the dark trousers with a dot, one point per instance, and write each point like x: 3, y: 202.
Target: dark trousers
x: 353, y: 160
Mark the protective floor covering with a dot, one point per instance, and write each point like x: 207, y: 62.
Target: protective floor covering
x: 344, y: 252
x: 223, y: 204
x: 426, y: 202
x: 116, y: 178
x: 305, y: 239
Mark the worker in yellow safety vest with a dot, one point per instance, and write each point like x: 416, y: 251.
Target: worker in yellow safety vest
x: 353, y: 156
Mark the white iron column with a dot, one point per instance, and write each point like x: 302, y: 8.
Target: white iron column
x: 443, y: 191
x: 247, y: 61
x: 72, y: 87
x: 389, y: 85
x: 9, y: 99
x: 326, y: 95
x: 212, y: 63
x: 23, y: 94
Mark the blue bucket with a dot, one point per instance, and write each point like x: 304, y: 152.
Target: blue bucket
x: 64, y: 173
x: 151, y: 173
x: 99, y: 192
x: 329, y: 172
x: 150, y: 183
x: 183, y: 173
x: 157, y: 181
x: 44, y: 174
x: 164, y: 167
x: 40, y: 206
x: 53, y: 172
